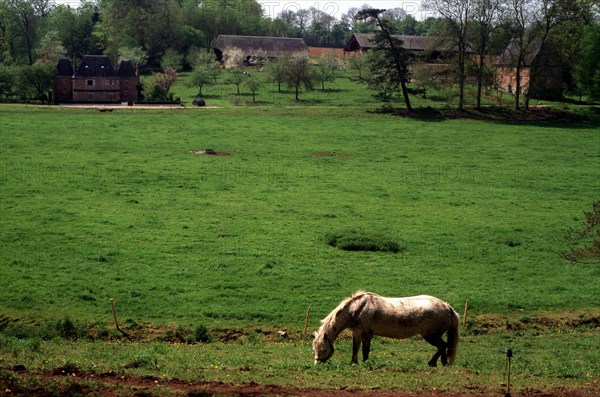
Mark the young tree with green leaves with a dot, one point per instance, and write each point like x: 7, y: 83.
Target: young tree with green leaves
x: 276, y: 70
x: 204, y: 70
x: 236, y: 77
x: 298, y: 73
x: 253, y: 84
x: 328, y: 65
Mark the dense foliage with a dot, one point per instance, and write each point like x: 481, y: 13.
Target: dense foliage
x: 161, y: 33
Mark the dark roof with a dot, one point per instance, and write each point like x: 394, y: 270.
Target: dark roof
x: 126, y: 69
x: 416, y: 43
x: 64, y: 67
x: 510, y: 55
x: 272, y: 46
x: 95, y: 66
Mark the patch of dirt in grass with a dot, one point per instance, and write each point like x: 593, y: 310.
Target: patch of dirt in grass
x: 330, y: 154
x: 485, y: 324
x: 59, y: 382
x: 209, y: 152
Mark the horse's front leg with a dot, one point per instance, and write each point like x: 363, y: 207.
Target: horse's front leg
x: 366, y: 340
x: 356, y: 339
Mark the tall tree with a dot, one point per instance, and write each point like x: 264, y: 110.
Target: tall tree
x: 21, y: 21
x: 535, y: 23
x: 394, y: 57
x: 486, y: 15
x: 587, y: 67
x: 457, y: 13
x: 550, y: 17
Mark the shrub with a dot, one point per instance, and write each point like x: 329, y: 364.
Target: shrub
x: 200, y: 334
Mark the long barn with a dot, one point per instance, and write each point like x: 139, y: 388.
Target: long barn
x: 271, y: 47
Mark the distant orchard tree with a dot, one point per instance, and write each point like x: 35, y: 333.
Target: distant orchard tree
x: 359, y: 63
x: 329, y: 63
x: 253, y: 85
x: 236, y: 77
x: 202, y: 76
x: 298, y: 73
x: 277, y: 70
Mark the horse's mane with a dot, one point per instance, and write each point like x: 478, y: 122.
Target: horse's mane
x: 327, y: 320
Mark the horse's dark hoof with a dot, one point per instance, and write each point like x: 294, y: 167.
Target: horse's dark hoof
x: 432, y: 364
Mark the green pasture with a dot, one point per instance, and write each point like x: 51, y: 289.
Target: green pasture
x: 115, y: 205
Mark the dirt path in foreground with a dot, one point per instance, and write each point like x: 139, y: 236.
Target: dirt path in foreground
x: 69, y: 382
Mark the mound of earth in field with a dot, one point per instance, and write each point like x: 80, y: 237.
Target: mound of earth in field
x: 209, y: 152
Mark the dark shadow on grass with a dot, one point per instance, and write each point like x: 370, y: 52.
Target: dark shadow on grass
x: 424, y: 114
x: 207, y: 96
x: 538, y: 116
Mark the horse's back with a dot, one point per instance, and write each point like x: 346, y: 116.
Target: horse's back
x: 406, y: 316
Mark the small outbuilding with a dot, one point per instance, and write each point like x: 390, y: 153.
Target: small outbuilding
x: 542, y: 74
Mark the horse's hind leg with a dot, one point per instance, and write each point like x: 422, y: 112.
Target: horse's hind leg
x: 437, y: 341
x: 366, y: 340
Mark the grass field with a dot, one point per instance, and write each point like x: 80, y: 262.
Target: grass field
x: 99, y: 206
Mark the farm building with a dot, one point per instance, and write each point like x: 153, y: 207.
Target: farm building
x: 541, y: 74
x: 431, y: 47
x: 96, y: 81
x: 271, y: 47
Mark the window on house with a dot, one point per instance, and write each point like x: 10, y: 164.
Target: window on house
x: 90, y: 82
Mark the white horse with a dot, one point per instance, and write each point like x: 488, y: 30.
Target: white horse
x: 368, y: 314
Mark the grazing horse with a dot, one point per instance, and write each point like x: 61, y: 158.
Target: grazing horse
x: 368, y: 314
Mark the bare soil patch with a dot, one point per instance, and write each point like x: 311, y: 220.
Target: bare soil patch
x: 330, y: 154
x: 69, y: 380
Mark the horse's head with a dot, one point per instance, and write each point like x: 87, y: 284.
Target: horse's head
x: 323, y: 347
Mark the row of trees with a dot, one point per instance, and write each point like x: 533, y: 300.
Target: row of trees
x: 294, y: 71
x: 475, y: 24
x: 152, y: 29
x: 161, y: 33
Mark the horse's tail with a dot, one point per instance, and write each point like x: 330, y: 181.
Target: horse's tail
x: 453, y: 337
